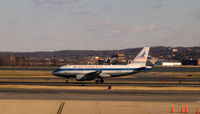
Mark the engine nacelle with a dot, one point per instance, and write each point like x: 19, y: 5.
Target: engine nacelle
x: 103, y: 75
x: 82, y: 77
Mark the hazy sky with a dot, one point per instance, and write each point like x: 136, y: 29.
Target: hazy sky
x: 48, y: 25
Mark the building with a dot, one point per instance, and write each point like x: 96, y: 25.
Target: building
x: 120, y: 56
x: 175, y: 50
x: 168, y: 63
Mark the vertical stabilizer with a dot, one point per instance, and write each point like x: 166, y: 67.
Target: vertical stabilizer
x: 141, y: 59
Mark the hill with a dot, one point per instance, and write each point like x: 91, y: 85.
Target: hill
x: 168, y: 53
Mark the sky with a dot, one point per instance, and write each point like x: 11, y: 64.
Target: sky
x: 51, y: 25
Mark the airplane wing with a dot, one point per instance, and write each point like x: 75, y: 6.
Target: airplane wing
x: 137, y: 70
x: 88, y: 76
x: 141, y: 68
x: 94, y: 73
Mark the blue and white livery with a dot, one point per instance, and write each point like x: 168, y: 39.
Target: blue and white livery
x: 98, y: 72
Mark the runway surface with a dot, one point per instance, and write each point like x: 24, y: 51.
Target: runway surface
x: 101, y: 95
x: 152, y: 84
x: 135, y: 77
x: 143, y: 79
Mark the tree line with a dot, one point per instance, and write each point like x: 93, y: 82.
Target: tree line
x: 58, y: 58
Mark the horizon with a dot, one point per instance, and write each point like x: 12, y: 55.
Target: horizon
x: 94, y: 50
x: 50, y: 25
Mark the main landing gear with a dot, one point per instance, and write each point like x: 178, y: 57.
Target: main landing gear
x: 99, y: 81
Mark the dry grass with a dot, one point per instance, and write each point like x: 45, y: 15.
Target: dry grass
x: 25, y: 73
x: 179, y: 74
x: 99, y: 87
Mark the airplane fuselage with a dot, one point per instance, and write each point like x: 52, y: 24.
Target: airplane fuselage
x: 106, y: 70
x: 92, y: 72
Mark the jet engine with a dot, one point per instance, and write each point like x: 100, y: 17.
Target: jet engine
x: 82, y: 77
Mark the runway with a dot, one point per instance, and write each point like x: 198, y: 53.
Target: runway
x: 49, y: 101
x: 142, y: 79
x: 92, y: 84
x: 101, y: 95
x: 137, y: 77
x: 139, y: 80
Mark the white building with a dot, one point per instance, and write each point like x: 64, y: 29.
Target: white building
x: 168, y: 63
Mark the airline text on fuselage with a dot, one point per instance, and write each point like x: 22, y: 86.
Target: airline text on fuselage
x: 87, y: 66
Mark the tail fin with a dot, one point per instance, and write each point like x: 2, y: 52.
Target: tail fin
x: 141, y: 59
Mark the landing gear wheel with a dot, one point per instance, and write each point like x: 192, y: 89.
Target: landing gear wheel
x: 101, y: 81
x: 97, y: 81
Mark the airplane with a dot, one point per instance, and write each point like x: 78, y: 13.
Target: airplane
x: 99, y: 72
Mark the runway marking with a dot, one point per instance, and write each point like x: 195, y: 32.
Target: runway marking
x: 61, y: 108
